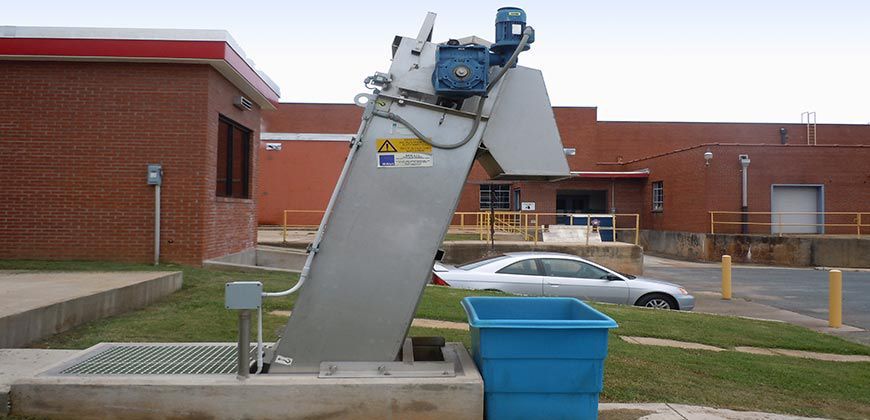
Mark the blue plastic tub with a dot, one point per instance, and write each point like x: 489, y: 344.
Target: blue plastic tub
x: 541, y: 358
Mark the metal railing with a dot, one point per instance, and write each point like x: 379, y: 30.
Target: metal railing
x: 528, y: 225
x: 845, y: 221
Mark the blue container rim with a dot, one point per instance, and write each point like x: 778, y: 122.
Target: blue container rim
x: 601, y: 321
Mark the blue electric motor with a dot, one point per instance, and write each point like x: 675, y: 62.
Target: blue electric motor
x: 462, y: 71
x: 510, y: 22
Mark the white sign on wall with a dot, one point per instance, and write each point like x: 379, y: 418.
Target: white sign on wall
x: 527, y: 206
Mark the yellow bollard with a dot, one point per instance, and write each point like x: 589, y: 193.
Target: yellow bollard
x: 726, y: 277
x: 835, y: 299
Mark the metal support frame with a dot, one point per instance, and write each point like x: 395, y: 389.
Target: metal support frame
x: 244, y: 367
x: 157, y: 224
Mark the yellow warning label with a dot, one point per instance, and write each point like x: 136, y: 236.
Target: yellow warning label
x: 412, y: 145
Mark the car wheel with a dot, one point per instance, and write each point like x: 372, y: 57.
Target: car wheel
x: 658, y: 301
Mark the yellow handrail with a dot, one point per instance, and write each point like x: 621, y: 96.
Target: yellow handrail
x: 857, y: 222
x: 526, y: 224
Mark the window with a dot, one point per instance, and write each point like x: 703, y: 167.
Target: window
x: 658, y: 196
x: 570, y: 268
x: 525, y: 267
x: 497, y: 194
x: 234, y: 160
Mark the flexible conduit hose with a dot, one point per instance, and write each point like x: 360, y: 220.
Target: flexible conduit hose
x: 478, y: 114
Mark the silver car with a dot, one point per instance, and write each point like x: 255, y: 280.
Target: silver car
x: 555, y: 274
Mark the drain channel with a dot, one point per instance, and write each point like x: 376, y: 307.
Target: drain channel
x: 159, y: 359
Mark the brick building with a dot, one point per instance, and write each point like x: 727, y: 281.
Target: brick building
x: 655, y: 169
x: 83, y: 111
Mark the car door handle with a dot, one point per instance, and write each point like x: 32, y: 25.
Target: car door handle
x: 553, y: 284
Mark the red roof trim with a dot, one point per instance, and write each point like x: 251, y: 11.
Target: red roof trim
x: 135, y: 48
x: 591, y: 174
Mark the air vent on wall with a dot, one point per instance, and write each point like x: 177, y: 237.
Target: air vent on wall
x: 243, y: 103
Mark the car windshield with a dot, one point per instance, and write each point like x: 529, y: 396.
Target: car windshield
x: 481, y: 262
x: 628, y: 276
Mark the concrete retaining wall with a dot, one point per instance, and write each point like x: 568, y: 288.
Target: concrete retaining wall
x: 264, y: 258
x: 622, y: 257
x: 25, y: 327
x: 807, y: 251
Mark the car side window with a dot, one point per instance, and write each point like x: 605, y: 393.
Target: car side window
x: 525, y: 268
x: 575, y: 269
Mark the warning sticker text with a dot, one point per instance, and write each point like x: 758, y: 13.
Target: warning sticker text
x: 403, y: 153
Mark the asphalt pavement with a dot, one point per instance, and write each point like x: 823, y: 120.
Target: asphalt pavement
x: 800, y: 290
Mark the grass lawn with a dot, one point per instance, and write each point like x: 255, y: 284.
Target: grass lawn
x: 462, y: 237
x: 633, y: 373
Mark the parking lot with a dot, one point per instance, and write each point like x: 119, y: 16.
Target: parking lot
x: 801, y: 290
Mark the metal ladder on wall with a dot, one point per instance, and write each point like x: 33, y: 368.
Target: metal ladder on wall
x: 809, y: 118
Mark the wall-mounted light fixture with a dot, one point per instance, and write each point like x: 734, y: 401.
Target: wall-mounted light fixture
x: 708, y: 156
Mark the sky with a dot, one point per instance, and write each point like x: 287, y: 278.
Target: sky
x: 668, y: 60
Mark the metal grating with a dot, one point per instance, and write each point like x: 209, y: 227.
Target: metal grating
x: 160, y: 359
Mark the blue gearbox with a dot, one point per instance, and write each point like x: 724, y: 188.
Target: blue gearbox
x: 461, y: 71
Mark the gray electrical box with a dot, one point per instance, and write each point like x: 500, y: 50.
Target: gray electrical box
x: 155, y: 174
x: 243, y: 295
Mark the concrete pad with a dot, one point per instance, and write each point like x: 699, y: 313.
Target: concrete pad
x: 661, y: 342
x: 823, y: 356
x: 37, y: 304
x: 286, y: 396
x: 687, y: 412
x: 16, y: 364
x: 690, y: 412
x: 755, y: 350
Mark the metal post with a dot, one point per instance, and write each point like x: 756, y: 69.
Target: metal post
x: 284, y: 230
x: 636, y: 229
x: 536, y: 229
x: 244, y: 368
x: 835, y: 299
x: 614, y: 227
x: 726, y: 277
x: 588, y: 225
x: 157, y: 224
x: 712, y: 224
x: 779, y: 223
x: 859, y: 224
x: 491, y: 218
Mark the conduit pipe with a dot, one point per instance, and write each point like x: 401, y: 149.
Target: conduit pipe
x: 744, y: 162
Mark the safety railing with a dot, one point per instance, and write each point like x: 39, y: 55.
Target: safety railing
x: 788, y: 222
x: 529, y: 226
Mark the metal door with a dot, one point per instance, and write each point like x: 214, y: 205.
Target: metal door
x: 564, y: 277
x: 795, y: 209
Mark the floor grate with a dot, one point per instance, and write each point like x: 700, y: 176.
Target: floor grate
x: 160, y: 359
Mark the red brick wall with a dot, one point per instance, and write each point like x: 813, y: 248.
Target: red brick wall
x: 229, y: 224
x: 692, y: 189
x: 300, y: 176
x: 313, y: 118
x: 75, y: 139
x: 634, y: 140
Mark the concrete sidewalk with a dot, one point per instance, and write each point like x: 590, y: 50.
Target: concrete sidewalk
x: 667, y: 411
x: 37, y: 304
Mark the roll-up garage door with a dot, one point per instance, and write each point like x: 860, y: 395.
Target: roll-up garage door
x: 796, y: 198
